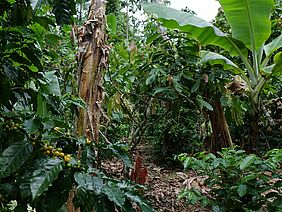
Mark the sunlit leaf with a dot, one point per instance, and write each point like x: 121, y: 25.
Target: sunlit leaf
x: 273, y: 45
x: 52, y: 86
x: 247, y: 161
x: 214, y: 58
x: 202, y: 30
x: 44, y: 176
x: 112, y: 23
x: 249, y: 20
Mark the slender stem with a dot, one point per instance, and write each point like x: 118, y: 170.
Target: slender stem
x: 246, y: 63
x: 260, y: 52
x: 258, y: 88
x: 255, y: 63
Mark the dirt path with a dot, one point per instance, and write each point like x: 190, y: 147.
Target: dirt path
x: 163, y: 183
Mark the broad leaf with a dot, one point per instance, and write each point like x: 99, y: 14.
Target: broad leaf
x: 44, y: 176
x: 88, y: 182
x: 103, y: 204
x: 202, y: 30
x: 31, y: 125
x: 31, y: 55
x: 277, y: 69
x: 115, y: 194
x: 214, y: 58
x: 247, y: 161
x: 202, y: 103
x: 53, y: 86
x: 273, y: 46
x: 14, y: 157
x: 41, y: 106
x: 142, y: 203
x: 242, y: 190
x: 249, y: 20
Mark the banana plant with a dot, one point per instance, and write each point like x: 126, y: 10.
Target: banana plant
x: 251, y: 27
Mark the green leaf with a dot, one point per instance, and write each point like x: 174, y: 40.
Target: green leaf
x: 44, y: 176
x: 278, y: 203
x: 277, y: 69
x: 247, y: 161
x: 53, y: 86
x: 278, y: 184
x: 14, y: 157
x: 136, y: 198
x: 31, y: 55
x: 52, y: 39
x: 242, y: 190
x: 41, y: 106
x: 202, y: 30
x: 196, y: 86
x: 267, y: 70
x: 112, y: 23
x: 19, y: 59
x: 249, y: 177
x: 249, y: 20
x: 88, y: 182
x: 31, y: 125
x: 115, y: 194
x: 188, y: 162
x: 202, y: 103
x: 273, y: 45
x: 151, y: 79
x: 103, y: 204
x: 214, y: 58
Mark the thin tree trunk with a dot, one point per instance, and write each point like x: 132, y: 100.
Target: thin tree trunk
x: 220, y: 131
x: 93, y: 60
x: 251, y: 145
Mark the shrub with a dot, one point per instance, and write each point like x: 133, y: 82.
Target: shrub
x: 237, y: 181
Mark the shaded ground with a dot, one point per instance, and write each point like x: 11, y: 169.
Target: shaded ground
x: 163, y: 183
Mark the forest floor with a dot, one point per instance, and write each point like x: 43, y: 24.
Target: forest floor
x: 163, y: 184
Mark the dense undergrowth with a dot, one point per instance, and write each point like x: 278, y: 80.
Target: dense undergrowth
x: 159, y: 89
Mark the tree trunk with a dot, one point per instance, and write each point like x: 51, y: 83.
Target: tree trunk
x: 251, y: 145
x: 93, y: 60
x: 220, y: 131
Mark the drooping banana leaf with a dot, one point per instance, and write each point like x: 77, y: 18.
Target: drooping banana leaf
x: 202, y: 30
x: 214, y: 58
x: 249, y: 20
x: 273, y: 46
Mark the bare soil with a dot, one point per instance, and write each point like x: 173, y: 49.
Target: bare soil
x: 163, y: 184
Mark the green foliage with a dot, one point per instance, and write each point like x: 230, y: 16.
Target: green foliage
x: 237, y: 181
x: 38, y: 143
x: 44, y: 176
x: 148, y: 92
x: 63, y: 10
x: 107, y: 193
x: 248, y: 32
x: 14, y: 157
